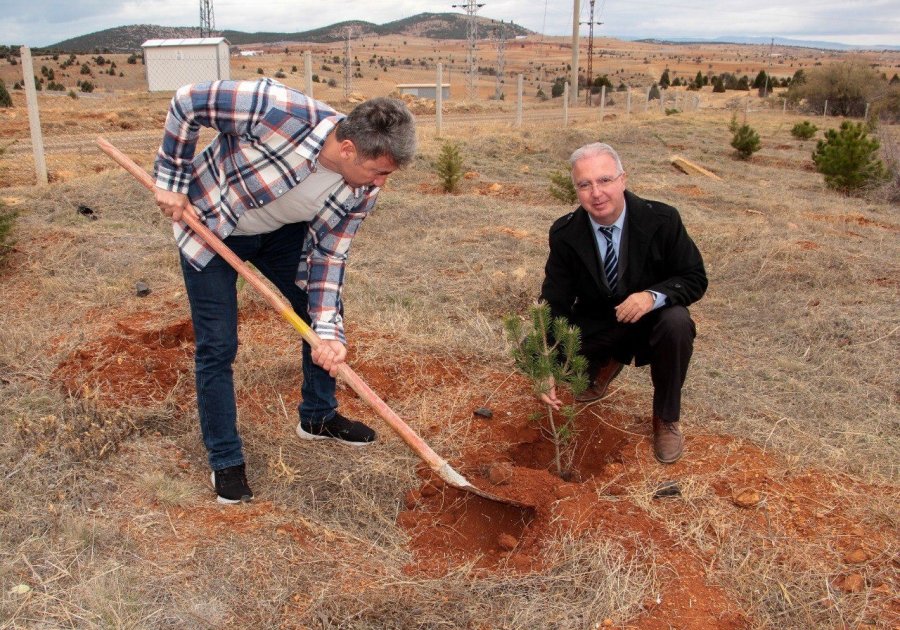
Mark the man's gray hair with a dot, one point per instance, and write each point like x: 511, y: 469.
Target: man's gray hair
x: 380, y: 126
x: 595, y: 149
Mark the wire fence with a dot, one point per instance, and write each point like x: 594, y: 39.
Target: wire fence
x: 437, y: 86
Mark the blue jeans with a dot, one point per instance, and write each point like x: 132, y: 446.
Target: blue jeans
x: 212, y: 293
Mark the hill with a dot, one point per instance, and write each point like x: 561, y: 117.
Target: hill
x: 431, y: 25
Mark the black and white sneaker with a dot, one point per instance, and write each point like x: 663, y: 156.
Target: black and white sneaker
x: 231, y: 485
x: 339, y: 428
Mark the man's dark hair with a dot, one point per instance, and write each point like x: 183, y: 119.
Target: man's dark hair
x: 380, y: 126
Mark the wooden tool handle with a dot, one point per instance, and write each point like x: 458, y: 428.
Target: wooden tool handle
x: 412, y: 439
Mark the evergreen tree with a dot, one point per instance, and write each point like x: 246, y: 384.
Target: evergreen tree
x: 546, y: 351
x: 5, y: 98
x: 654, y: 93
x: 760, y: 81
x: 848, y: 158
x: 664, y: 81
x: 745, y: 141
x: 698, y: 80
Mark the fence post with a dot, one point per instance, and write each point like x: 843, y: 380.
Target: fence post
x: 307, y: 70
x: 602, y: 101
x: 628, y: 103
x: 439, y: 100
x: 825, y: 111
x: 520, y: 89
x: 866, y: 115
x: 566, y: 105
x: 783, y: 106
x: 647, y: 102
x: 34, y: 117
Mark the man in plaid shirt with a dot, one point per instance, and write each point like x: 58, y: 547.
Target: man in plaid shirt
x: 285, y: 183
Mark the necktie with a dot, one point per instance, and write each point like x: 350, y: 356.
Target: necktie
x: 610, y: 260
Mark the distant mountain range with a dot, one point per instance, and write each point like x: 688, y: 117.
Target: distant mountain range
x: 431, y: 25
x: 762, y: 41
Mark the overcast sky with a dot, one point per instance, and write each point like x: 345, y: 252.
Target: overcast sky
x: 873, y: 22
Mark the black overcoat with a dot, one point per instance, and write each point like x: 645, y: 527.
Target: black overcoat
x: 655, y: 253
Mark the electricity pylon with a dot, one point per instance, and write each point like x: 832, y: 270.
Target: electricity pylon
x: 207, y: 20
x: 471, y: 7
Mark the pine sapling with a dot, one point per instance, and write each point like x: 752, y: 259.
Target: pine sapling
x: 546, y: 351
x: 562, y: 187
x: 449, y: 167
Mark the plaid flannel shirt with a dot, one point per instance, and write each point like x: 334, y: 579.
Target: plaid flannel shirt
x: 269, y: 141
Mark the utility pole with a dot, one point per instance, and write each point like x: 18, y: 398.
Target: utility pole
x: 501, y: 61
x: 207, y: 20
x: 471, y: 8
x: 348, y: 31
x: 769, y: 69
x: 590, y: 59
x: 576, y: 14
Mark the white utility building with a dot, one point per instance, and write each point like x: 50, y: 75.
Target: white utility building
x: 171, y: 63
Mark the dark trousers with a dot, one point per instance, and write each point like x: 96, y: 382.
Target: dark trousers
x: 212, y: 294
x: 664, y: 338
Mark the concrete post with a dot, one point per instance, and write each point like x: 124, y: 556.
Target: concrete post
x: 566, y: 105
x: 825, y: 111
x: 520, y: 95
x: 307, y: 70
x: 628, y: 103
x: 647, y: 101
x: 34, y: 118
x: 602, y: 101
x: 439, y: 101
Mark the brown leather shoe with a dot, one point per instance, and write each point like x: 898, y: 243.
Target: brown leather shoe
x: 600, y: 385
x: 668, y: 442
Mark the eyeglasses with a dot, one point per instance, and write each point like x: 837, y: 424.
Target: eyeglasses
x: 603, y: 182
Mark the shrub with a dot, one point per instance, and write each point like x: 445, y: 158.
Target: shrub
x: 332, y: 82
x: 847, y: 158
x: 804, y: 130
x: 847, y: 86
x: 562, y: 187
x: 280, y: 74
x: 672, y: 110
x: 5, y: 98
x: 745, y: 141
x: 86, y: 86
x: 449, y: 166
x: 546, y: 351
x: 6, y: 223
x: 654, y: 93
x: 85, y: 69
x: 259, y: 71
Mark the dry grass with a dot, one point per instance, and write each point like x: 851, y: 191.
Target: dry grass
x: 796, y: 353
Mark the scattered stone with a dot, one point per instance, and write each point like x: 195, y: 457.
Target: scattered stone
x: 20, y: 589
x: 484, y: 412
x: 500, y: 474
x: 857, y: 556
x: 495, y: 187
x: 667, y: 489
x: 614, y: 468
x: 471, y: 175
x: 507, y: 542
x: 746, y: 498
x: 853, y: 583
x: 884, y: 589
x: 87, y: 212
x: 607, y: 623
x: 141, y: 289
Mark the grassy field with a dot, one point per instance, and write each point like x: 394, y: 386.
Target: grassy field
x: 108, y: 519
